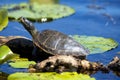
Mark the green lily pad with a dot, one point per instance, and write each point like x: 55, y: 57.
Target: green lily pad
x: 3, y: 18
x: 49, y: 76
x: 96, y: 44
x: 36, y: 11
x: 6, y: 54
x: 21, y: 64
x: 44, y: 1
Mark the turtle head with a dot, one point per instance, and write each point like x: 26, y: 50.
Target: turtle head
x: 28, y: 25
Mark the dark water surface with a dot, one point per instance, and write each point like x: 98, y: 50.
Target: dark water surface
x: 103, y: 21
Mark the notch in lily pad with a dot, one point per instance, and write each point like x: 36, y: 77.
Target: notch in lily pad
x: 3, y: 18
x: 6, y: 54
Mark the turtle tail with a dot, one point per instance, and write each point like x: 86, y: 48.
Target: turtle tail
x: 28, y: 25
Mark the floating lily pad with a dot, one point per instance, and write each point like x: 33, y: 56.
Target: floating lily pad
x: 37, y: 11
x: 44, y: 1
x: 21, y: 64
x: 6, y: 54
x: 3, y: 18
x: 96, y: 44
x: 49, y: 76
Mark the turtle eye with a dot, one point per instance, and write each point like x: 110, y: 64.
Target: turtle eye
x: 27, y: 22
x: 23, y: 20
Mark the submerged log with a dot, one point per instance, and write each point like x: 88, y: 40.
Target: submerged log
x: 115, y: 64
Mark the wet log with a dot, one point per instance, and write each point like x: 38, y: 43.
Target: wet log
x: 60, y: 63
x: 18, y: 44
x: 24, y: 47
x: 114, y: 64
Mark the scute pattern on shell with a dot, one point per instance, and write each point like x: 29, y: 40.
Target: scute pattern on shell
x: 54, y: 42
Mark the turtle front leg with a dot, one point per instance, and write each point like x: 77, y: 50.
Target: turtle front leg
x: 35, y: 53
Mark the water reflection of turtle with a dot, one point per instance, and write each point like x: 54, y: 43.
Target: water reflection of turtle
x: 54, y: 42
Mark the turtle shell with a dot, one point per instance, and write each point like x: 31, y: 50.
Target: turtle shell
x: 57, y: 43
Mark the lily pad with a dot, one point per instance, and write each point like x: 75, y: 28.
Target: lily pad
x: 3, y: 18
x: 6, y: 54
x: 96, y: 44
x: 49, y: 76
x: 36, y: 11
x: 44, y: 1
x: 21, y: 64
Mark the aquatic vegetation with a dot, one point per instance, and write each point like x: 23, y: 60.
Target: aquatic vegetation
x: 36, y: 12
x: 21, y: 63
x: 96, y: 7
x: 6, y: 54
x: 96, y: 44
x: 3, y: 18
x: 109, y: 17
x: 50, y: 76
x: 44, y: 1
x: 88, y: 24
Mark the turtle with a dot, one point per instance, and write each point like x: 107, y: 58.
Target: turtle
x: 54, y: 42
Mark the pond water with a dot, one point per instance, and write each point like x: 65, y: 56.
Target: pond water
x: 103, y: 21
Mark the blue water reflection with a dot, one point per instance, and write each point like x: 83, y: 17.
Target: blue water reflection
x: 103, y: 22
